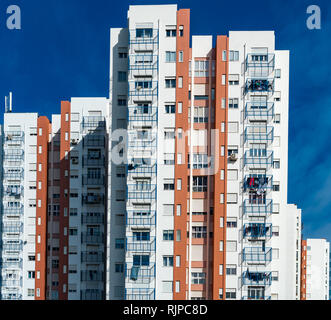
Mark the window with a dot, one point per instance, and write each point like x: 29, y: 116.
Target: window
x: 170, y: 83
x: 230, y: 294
x: 141, y: 235
x: 277, y: 96
x: 198, y: 277
x: 232, y: 198
x: 181, y: 31
x: 275, y: 253
x: 233, y: 127
x: 179, y: 209
x: 121, y: 76
x: 180, y: 82
x: 178, y: 235
x: 277, y: 118
x: 170, y: 56
x: 200, y: 161
x: 277, y: 73
x: 199, y: 184
x: 170, y: 108
x: 200, y: 114
x: 276, y: 187
x: 119, y: 243
x: 31, y: 274
x: 231, y: 222
x: 168, y: 235
x: 201, y: 68
x: 168, y: 209
x: 199, y: 232
x: 141, y: 260
x: 234, y: 55
x: 232, y: 175
x: 168, y: 261
x: 73, y: 232
x: 177, y: 261
x: 144, y: 33
x: 180, y: 107
x: 167, y: 286
x: 180, y: 56
x: 223, y: 79
x: 121, y: 101
x: 233, y: 79
x: 119, y: 267
x: 233, y: 103
x: 274, y: 276
x: 179, y: 184
x: 171, y: 32
x: 275, y: 231
x: 276, y: 164
x: 169, y: 184
x: 231, y: 246
x: 224, y: 55
x: 169, y: 158
x: 231, y: 269
x: 122, y: 52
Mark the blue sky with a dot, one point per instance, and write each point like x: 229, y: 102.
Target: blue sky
x: 62, y: 51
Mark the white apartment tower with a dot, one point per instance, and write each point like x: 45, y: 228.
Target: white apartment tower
x: 218, y: 226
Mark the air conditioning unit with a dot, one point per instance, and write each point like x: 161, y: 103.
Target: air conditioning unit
x: 74, y: 141
x: 10, y: 137
x: 139, y: 87
x: 75, y: 161
x: 233, y: 157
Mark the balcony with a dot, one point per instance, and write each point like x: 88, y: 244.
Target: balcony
x: 14, y: 136
x: 259, y: 65
x: 11, y: 296
x: 93, y: 123
x: 94, y: 141
x: 93, y: 199
x: 13, y: 211
x: 97, y: 218
x: 92, y: 276
x: 140, y: 274
x: 258, y: 159
x: 258, y: 183
x: 259, y: 85
x: 13, y: 175
x: 148, y: 219
x: 141, y: 192
x: 143, y: 64
x: 92, y: 294
x: 93, y: 180
x: 11, y: 283
x: 143, y: 90
x: 143, y: 39
x: 11, y: 263
x: 93, y: 162
x: 13, y: 191
x: 92, y: 257
x: 139, y: 294
x: 13, y: 155
x: 12, y: 227
x: 257, y: 231
x: 12, y: 245
x: 257, y: 255
x: 143, y: 116
x: 259, y: 134
x: 259, y: 111
x: 256, y: 298
x: 95, y: 238
x: 257, y: 208
x: 256, y: 278
x: 133, y: 244
x: 141, y: 170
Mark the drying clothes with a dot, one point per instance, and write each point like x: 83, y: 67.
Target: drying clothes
x: 134, y: 273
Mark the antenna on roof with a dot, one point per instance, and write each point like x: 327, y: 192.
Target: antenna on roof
x: 9, y: 103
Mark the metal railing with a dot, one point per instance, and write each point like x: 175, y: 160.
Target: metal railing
x: 92, y: 276
x: 100, y: 218
x: 258, y: 183
x: 259, y: 111
x: 139, y: 294
x: 140, y: 274
x: 93, y: 180
x: 96, y: 256
x: 257, y: 231
x: 259, y: 85
x: 257, y: 255
x: 259, y: 134
x: 258, y: 208
x: 132, y: 244
x: 258, y: 158
x: 259, y: 65
x: 96, y: 237
x: 93, y: 199
x: 93, y: 162
x: 92, y: 294
x: 256, y: 278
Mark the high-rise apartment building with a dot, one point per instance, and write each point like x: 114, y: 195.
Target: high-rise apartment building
x: 206, y: 213
x: 173, y: 188
x: 315, y: 264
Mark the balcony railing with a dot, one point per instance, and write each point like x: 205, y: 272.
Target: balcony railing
x: 257, y: 208
x: 13, y: 191
x: 88, y: 161
x: 8, y: 246
x: 99, y: 218
x: 256, y: 278
x: 140, y: 274
x: 92, y: 294
x: 256, y: 298
x: 12, y: 227
x: 10, y: 263
x: 13, y: 211
x: 92, y: 276
x: 257, y: 255
x: 14, y: 136
x: 145, y: 220
x: 11, y: 296
x: 258, y: 183
x: 93, y: 123
x: 259, y: 111
x: 94, y: 141
x: 93, y: 180
x: 138, y: 170
x: 132, y: 244
x: 259, y: 65
x: 93, y: 199
x: 96, y: 237
x: 94, y: 257
x: 145, y: 192
x: 139, y: 294
x: 13, y: 175
x: 11, y: 283
x: 143, y: 62
x: 146, y: 36
x: 259, y: 85
x: 255, y: 231
x: 259, y: 134
x: 259, y: 158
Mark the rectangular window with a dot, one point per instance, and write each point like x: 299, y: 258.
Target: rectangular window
x: 144, y: 33
x: 231, y: 246
x: 170, y: 83
x: 168, y: 261
x: 224, y: 55
x: 171, y: 32
x: 170, y: 108
x: 199, y: 232
x: 201, y: 68
x: 122, y: 77
x: 231, y: 269
x: 233, y: 79
x: 180, y: 82
x: 168, y: 209
x: 231, y: 222
x: 234, y: 55
x: 170, y: 56
x: 119, y: 243
x: 168, y: 235
x: 230, y: 294
x: 198, y: 277
x: 233, y: 103
x: 232, y: 198
x: 167, y: 286
x: 180, y: 56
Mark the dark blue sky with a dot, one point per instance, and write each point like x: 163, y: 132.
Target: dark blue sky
x: 62, y: 51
